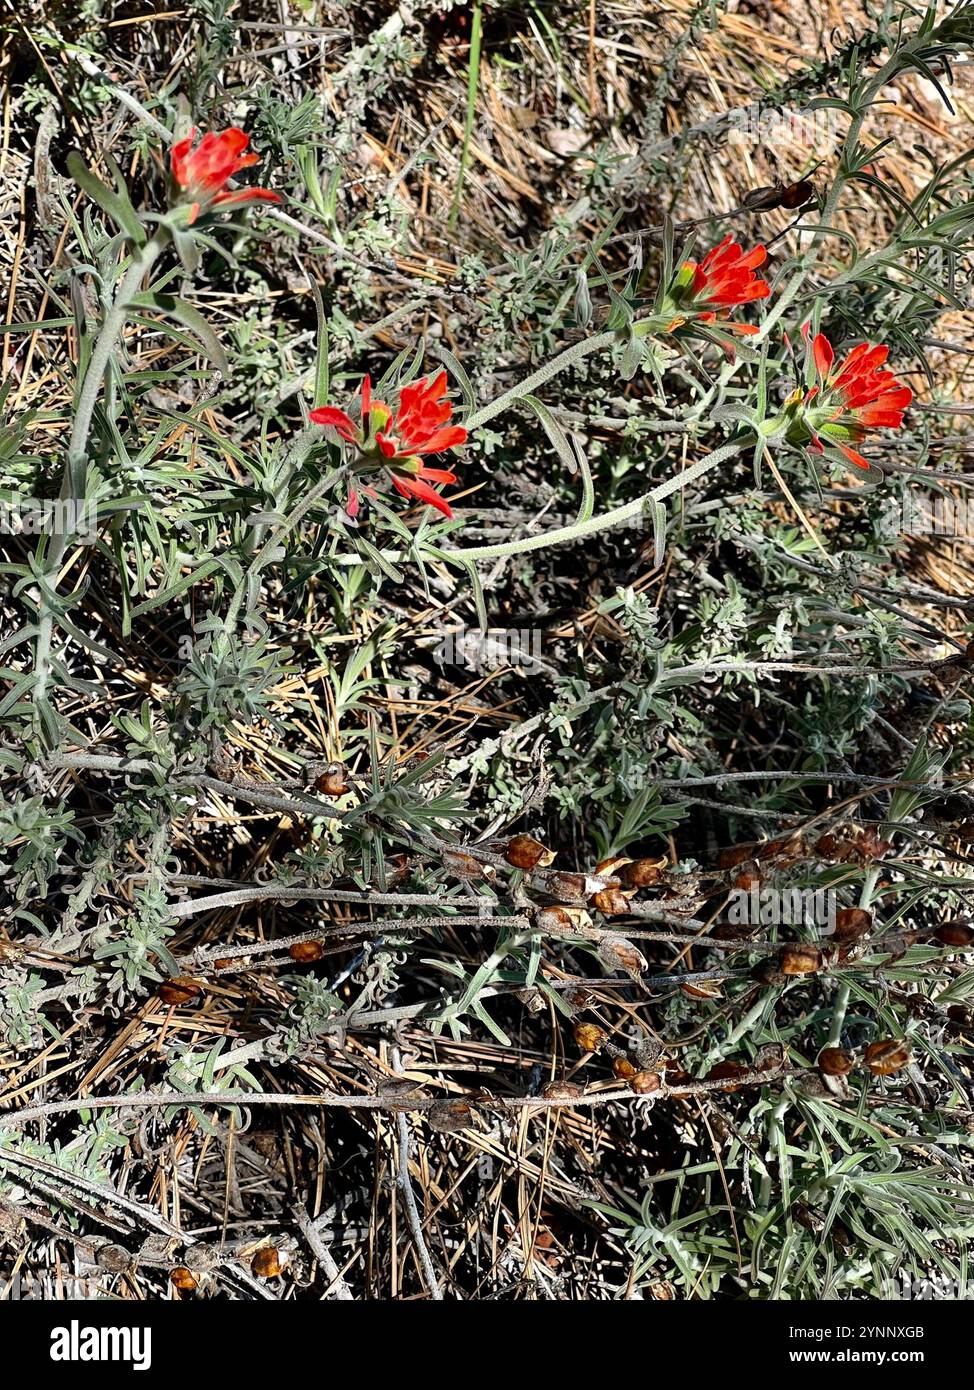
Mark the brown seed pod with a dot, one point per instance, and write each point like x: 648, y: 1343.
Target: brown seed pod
x: 183, y: 1279
x: 747, y: 877
x: 733, y: 931
x: 623, y: 1068
x: 556, y: 921
x: 612, y: 868
x: 702, y: 989
x: 870, y: 846
x: 333, y: 781
x: 813, y: 1086
x: 644, y: 1083
x: 674, y: 1073
x: 567, y: 888
x: 447, y: 1116
x: 525, y: 852
x: 770, y: 1058
x: 611, y: 902
x: 560, y: 1090
x: 835, y: 1061
x: 887, y: 1056
x: 589, y: 1036
x: 851, y: 924
x: 956, y: 934
x: 647, y: 1052
x: 266, y: 1263
x: 458, y: 864
x: 619, y: 954
x: 829, y: 846
x: 768, y: 972
x: 800, y: 960
x: 727, y: 1071
x: 959, y: 1015
x: 179, y: 990
x: 306, y: 952
x: 642, y: 873
x: 116, y: 1258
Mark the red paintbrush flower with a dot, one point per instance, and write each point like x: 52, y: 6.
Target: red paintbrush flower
x: 202, y: 173
x: 709, y: 289
x: 850, y: 400
x: 396, y: 442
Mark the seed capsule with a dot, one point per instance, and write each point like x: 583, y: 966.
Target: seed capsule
x: 116, y: 1258
x: 644, y: 1083
x: 570, y: 888
x: 674, y: 1073
x: 447, y: 1116
x: 525, y: 852
x: 179, y: 991
x: 183, y: 1279
x: 955, y: 934
x: 589, y: 1036
x: 623, y: 1068
x: 333, y: 781
x: 835, y: 1061
x: 770, y: 1057
x: 459, y: 864
x: 641, y: 873
x: 886, y: 1057
x: 306, y: 952
x: 747, y: 877
x: 266, y: 1263
x: 851, y: 923
x: 800, y: 960
x: 612, y: 868
x: 727, y: 1071
x: 619, y: 954
x: 768, y: 972
x: 611, y: 901
x: 555, y: 920
x: 560, y: 1090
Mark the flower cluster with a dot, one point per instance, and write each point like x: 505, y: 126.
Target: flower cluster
x: 200, y: 174
x: 708, y: 289
x: 395, y: 442
x: 838, y: 411
x: 849, y: 400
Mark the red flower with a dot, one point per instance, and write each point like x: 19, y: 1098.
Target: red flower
x: 202, y: 173
x: 397, y: 441
x: 857, y: 396
x: 723, y: 279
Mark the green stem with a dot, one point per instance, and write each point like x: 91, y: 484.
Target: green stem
x: 579, y: 529
x: 473, y: 79
x: 75, y: 470
x: 564, y: 359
